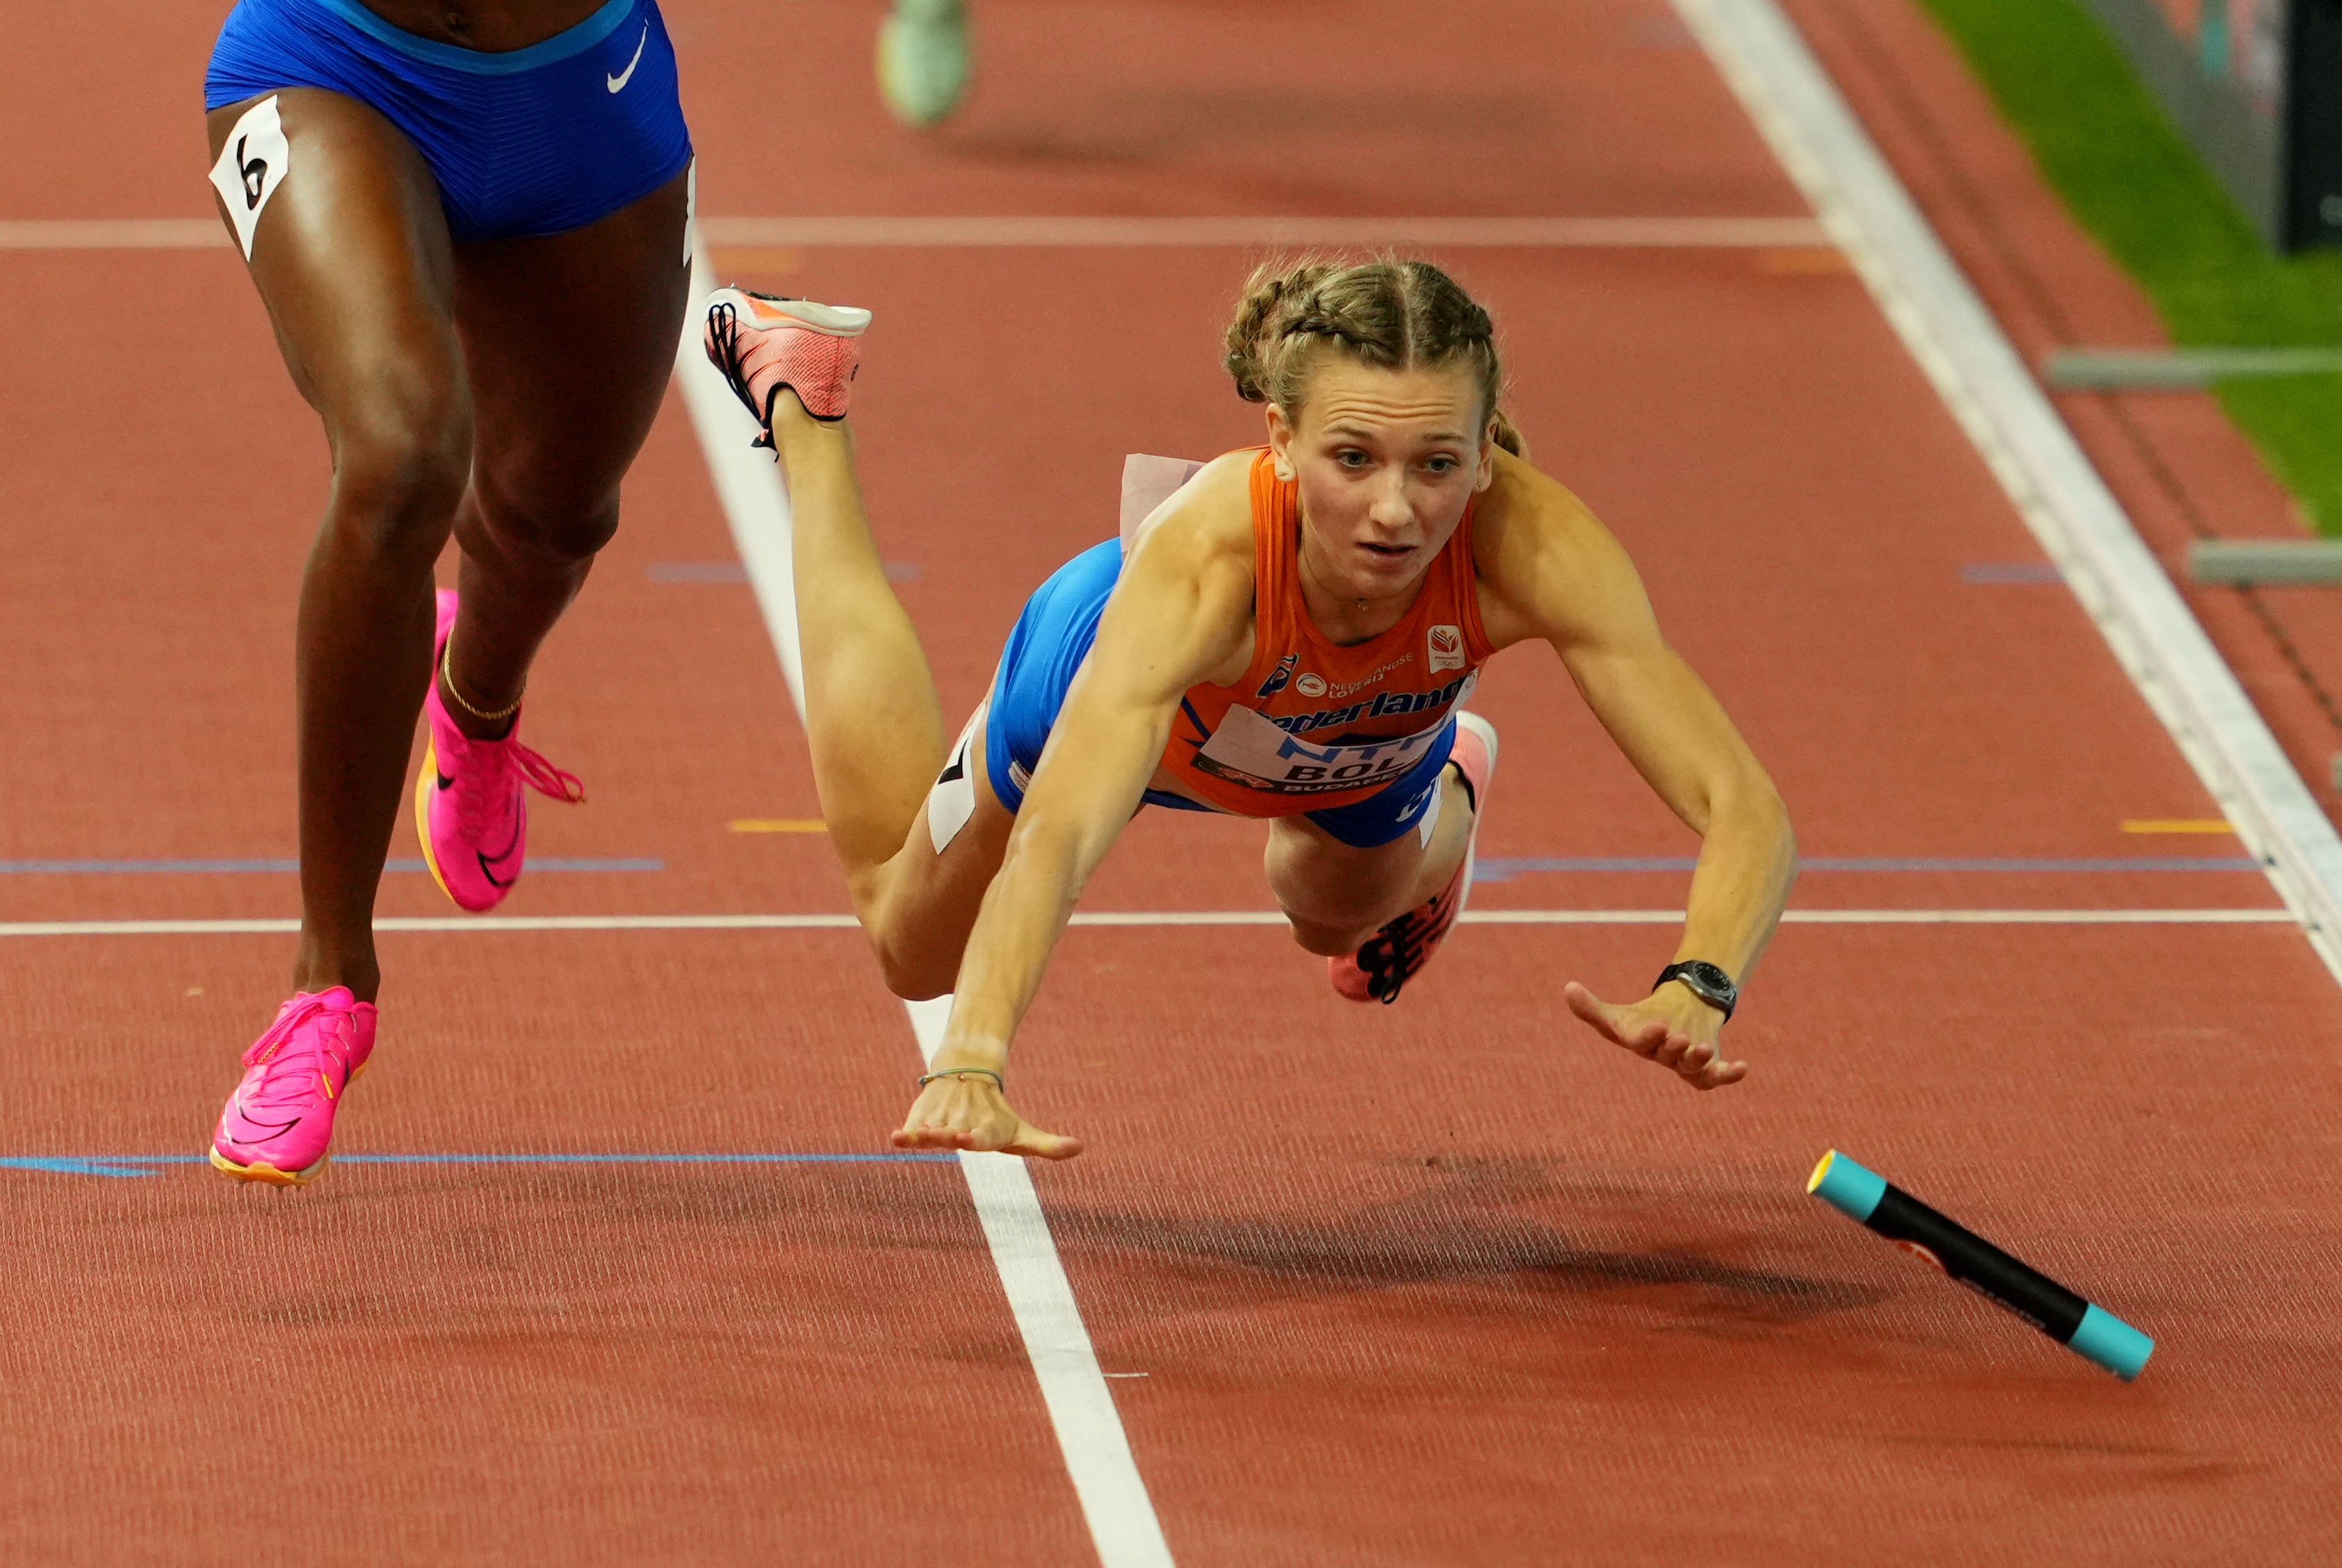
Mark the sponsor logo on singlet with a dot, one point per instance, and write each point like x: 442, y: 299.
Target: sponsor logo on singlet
x: 1311, y: 684
x: 1328, y: 689
x: 1278, y: 676
x: 1380, y: 707
x: 1446, y: 646
x: 1251, y: 749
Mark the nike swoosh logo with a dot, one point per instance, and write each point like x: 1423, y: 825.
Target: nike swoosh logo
x: 619, y: 81
x: 488, y: 863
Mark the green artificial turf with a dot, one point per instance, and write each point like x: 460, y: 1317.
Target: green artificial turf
x: 2126, y: 175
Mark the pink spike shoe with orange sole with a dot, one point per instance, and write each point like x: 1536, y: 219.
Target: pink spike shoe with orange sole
x: 278, y: 1124
x: 469, y: 811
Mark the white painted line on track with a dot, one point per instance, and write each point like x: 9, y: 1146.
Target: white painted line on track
x: 1526, y: 234
x: 114, y: 235
x: 1147, y: 919
x: 1989, y: 391
x: 1113, y: 1494
x: 1052, y: 233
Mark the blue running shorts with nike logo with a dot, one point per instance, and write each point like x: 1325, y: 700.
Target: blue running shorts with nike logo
x: 530, y: 141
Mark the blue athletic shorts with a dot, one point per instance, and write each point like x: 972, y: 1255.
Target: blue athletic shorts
x: 1052, y: 638
x: 531, y: 142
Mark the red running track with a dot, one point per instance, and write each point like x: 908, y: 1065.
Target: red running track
x: 1445, y: 1283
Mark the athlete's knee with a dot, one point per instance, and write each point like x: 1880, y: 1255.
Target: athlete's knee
x: 400, y: 463
x: 913, y: 975
x: 561, y: 531
x: 1325, y: 941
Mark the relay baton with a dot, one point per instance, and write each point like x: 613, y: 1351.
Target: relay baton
x: 2079, y: 1325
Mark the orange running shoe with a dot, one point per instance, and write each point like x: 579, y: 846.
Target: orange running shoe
x: 763, y: 343
x: 1392, y: 956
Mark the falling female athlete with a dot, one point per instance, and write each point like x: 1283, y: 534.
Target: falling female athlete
x: 467, y: 219
x: 1292, y: 635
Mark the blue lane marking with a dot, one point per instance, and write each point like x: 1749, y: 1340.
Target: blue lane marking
x: 154, y: 1164
x: 1501, y: 868
x: 101, y: 1166
x: 199, y: 867
x: 2010, y: 572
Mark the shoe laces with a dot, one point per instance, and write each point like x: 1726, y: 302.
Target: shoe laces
x: 727, y: 349
x: 724, y: 348
x: 484, y: 793
x: 1391, y: 956
x: 294, y: 1066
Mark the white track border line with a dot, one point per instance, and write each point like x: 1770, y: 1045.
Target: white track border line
x: 1989, y: 391
x: 1060, y: 233
x: 1113, y: 1496
x: 1532, y: 233
x: 492, y: 924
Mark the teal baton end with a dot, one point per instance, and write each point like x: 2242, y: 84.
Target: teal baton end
x: 2111, y: 1342
x: 1847, y: 1186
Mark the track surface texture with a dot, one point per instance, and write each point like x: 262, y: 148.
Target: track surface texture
x: 1447, y: 1283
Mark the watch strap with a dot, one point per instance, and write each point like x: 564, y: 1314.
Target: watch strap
x: 1705, y: 981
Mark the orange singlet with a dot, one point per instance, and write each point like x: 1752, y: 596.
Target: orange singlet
x: 1312, y: 725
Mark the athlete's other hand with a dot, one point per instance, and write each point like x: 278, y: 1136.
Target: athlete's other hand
x: 973, y: 1113
x: 1671, y: 1026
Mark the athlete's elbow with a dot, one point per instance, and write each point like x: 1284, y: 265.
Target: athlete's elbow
x: 1750, y: 808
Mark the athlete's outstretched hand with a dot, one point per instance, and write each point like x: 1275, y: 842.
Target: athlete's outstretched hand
x: 973, y: 1113
x: 1670, y: 1026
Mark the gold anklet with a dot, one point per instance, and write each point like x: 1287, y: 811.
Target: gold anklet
x: 448, y: 680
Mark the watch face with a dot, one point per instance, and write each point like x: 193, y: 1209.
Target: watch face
x: 1707, y: 981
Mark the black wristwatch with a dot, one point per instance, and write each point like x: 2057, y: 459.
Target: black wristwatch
x: 1705, y: 981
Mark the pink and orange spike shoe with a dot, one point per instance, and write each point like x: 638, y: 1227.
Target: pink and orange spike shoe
x: 280, y: 1120
x: 469, y: 811
x: 1394, y: 955
x: 763, y: 343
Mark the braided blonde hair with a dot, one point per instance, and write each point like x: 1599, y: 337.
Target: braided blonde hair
x: 1394, y: 315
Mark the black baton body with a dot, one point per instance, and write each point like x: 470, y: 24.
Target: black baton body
x: 2070, y: 1319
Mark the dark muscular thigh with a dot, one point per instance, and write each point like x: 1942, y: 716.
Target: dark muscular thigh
x: 352, y: 258
x: 570, y: 339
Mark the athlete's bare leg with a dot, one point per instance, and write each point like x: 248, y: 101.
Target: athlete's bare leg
x: 1335, y: 896
x: 875, y: 726
x: 353, y: 259
x: 569, y: 340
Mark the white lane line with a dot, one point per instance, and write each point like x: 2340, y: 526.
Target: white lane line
x: 1113, y: 1494
x: 1527, y: 233
x: 1089, y: 1430
x: 1056, y: 232
x: 114, y: 235
x: 1992, y: 395
x: 492, y: 925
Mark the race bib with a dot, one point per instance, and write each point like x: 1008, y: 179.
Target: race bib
x: 251, y: 165
x: 1248, y: 749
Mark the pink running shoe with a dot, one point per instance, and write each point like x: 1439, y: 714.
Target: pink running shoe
x: 469, y: 812
x: 279, y: 1121
x: 1395, y: 954
x: 763, y: 343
